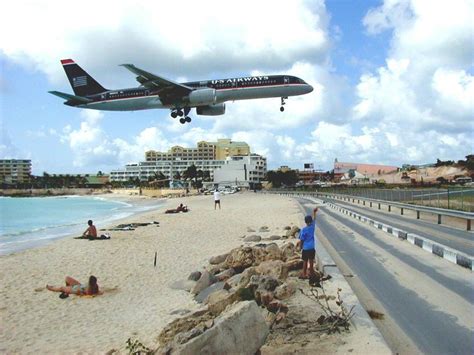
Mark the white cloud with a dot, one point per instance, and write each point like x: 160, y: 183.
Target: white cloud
x: 423, y: 97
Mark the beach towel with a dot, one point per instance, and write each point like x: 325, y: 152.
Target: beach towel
x: 102, y: 237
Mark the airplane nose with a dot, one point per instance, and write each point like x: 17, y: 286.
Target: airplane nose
x: 309, y: 89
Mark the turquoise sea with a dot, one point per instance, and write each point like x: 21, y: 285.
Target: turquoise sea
x: 34, y: 221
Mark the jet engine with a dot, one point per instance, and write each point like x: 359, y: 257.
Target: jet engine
x: 211, y: 110
x: 202, y: 97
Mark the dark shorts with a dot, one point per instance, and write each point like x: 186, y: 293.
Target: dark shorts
x: 217, y: 201
x: 308, y: 254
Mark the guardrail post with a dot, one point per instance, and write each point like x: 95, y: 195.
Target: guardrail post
x: 439, y: 219
x: 379, y: 205
x: 468, y: 224
x: 417, y: 214
x: 389, y: 208
x: 370, y: 203
x: 363, y: 202
x: 401, y: 211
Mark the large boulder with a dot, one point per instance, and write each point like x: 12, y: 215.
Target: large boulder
x: 246, y: 275
x: 201, y: 296
x: 294, y: 263
x: 288, y: 250
x: 285, y: 291
x: 218, y: 259
x: 241, y: 258
x: 219, y: 300
x: 241, y: 329
x: 275, y: 268
x: 273, y: 252
x: 293, y: 232
x: 194, y: 276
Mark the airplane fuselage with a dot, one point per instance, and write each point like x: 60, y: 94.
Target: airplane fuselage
x: 243, y: 88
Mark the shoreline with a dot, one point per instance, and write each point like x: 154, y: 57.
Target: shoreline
x: 17, y: 241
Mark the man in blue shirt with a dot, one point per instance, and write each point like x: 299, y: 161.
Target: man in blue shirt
x: 307, y: 244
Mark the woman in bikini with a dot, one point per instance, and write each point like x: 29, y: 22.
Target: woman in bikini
x: 75, y: 287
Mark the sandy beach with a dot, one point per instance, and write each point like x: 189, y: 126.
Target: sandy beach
x: 138, y: 300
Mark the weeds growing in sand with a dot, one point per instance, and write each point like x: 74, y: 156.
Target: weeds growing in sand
x: 332, y: 319
x: 135, y: 347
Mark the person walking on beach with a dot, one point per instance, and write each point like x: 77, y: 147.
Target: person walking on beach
x: 307, y: 245
x: 217, y: 199
x: 75, y: 287
x: 91, y: 231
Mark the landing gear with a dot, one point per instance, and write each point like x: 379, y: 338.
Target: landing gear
x: 183, y: 113
x: 282, y: 104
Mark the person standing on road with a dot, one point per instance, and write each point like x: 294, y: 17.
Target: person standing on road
x: 217, y: 199
x: 307, y: 244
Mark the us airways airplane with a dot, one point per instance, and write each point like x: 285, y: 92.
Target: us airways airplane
x: 207, y: 96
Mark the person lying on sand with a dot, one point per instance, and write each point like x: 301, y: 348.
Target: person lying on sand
x: 75, y: 287
x: 180, y: 208
x: 91, y: 231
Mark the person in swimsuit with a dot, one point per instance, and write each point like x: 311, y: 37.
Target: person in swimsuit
x: 75, y: 287
x: 91, y: 231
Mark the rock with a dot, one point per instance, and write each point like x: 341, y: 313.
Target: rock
x: 244, y: 257
x: 287, y: 228
x: 277, y: 306
x: 275, y: 268
x: 239, y: 330
x: 218, y: 301
x: 226, y: 274
x: 180, y: 312
x: 267, y: 283
x: 274, y: 237
x: 288, y: 251
x: 182, y: 338
x: 250, y: 230
x: 218, y: 259
x: 273, y: 252
x: 205, y: 281
x: 234, y: 280
x: 292, y: 232
x: 246, y: 275
x: 263, y: 229
x: 294, y: 264
x: 284, y: 291
x: 194, y: 276
x: 216, y: 269
x: 263, y: 297
x: 208, y: 290
x: 253, y: 238
x: 185, y: 285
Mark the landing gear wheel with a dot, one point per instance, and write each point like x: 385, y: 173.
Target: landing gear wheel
x: 187, y: 119
x: 282, y: 109
x: 182, y: 120
x: 174, y: 114
x: 180, y: 113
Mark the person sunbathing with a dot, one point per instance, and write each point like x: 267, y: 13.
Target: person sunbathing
x: 75, y: 287
x: 180, y: 208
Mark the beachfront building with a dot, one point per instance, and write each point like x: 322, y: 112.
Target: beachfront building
x: 206, y: 156
x: 148, y: 170
x: 13, y: 171
x: 219, y: 150
x: 241, y: 170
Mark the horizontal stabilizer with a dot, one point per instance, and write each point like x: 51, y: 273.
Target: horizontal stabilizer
x: 70, y: 97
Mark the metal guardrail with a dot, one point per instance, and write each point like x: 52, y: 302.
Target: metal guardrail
x: 468, y: 216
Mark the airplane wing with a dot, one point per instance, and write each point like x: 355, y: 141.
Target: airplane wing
x: 168, y: 90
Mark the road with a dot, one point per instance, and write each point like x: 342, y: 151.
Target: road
x: 427, y: 298
x: 457, y: 239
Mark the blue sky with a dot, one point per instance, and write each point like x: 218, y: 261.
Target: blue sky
x: 393, y: 79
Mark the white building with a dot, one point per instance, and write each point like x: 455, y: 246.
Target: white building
x: 244, y: 170
x: 148, y: 169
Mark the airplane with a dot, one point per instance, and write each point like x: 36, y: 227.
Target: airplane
x: 154, y: 92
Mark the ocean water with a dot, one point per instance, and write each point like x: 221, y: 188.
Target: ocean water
x: 34, y: 221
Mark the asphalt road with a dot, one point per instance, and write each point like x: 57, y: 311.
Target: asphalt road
x: 428, y: 298
x: 457, y: 239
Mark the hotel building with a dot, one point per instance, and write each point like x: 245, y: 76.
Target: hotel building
x: 14, y: 171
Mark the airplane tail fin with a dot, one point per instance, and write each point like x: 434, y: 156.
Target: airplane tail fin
x: 82, y: 83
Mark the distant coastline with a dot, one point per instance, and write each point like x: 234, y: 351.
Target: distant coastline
x: 52, y: 192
